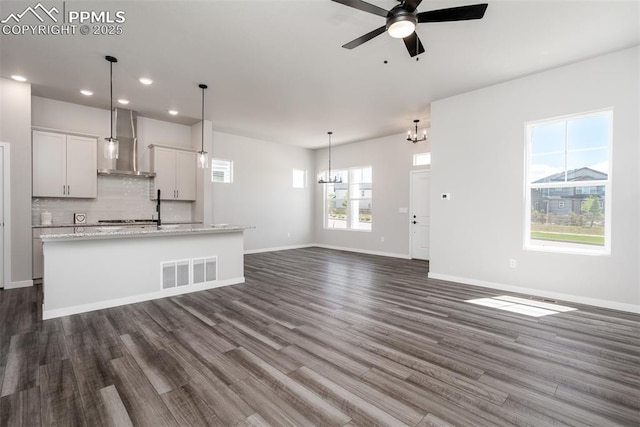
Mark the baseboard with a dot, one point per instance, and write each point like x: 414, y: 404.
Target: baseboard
x: 20, y: 284
x: 538, y: 293
x: 68, y: 311
x: 363, y: 251
x: 278, y: 248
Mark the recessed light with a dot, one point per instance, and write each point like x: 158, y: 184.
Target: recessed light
x: 19, y: 78
x: 173, y: 112
x: 123, y: 101
x: 145, y: 80
x: 86, y: 92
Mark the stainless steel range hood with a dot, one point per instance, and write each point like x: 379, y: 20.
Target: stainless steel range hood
x: 126, y: 164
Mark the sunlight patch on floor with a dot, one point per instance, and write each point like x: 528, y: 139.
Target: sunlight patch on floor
x: 521, y: 305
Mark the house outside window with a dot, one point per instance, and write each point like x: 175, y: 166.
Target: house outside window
x: 222, y: 171
x: 348, y: 204
x: 568, y: 179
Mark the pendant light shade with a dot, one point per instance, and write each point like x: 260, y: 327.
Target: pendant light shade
x: 111, y: 148
x: 203, y: 158
x: 330, y: 180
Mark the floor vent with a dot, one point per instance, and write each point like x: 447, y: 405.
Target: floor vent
x: 187, y: 272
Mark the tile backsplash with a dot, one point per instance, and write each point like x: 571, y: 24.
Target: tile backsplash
x: 118, y: 198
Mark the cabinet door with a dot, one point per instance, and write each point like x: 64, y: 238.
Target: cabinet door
x: 164, y: 165
x: 49, y: 165
x: 186, y: 175
x: 82, y: 164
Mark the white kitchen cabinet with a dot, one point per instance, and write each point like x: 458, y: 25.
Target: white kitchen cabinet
x: 175, y: 171
x: 64, y: 165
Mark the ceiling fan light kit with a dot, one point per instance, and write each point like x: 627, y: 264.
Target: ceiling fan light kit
x: 402, y: 19
x: 401, y: 24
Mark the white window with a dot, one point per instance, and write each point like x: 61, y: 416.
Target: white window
x: 221, y: 170
x: 349, y: 202
x: 421, y: 159
x: 568, y: 197
x: 299, y: 178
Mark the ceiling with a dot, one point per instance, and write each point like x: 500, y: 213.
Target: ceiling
x: 276, y: 69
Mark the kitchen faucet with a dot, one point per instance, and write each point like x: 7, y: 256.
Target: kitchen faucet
x: 158, y: 209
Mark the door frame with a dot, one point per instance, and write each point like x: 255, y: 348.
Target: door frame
x: 411, y: 174
x: 6, y: 206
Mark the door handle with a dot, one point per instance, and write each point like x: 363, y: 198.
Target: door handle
x: 415, y: 222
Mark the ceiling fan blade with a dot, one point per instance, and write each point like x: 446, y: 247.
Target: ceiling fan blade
x: 362, y: 39
x: 413, y: 44
x: 461, y: 13
x: 411, y: 5
x: 364, y: 6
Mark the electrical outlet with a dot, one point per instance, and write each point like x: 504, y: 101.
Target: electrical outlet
x: 382, y: 239
x: 288, y: 234
x: 512, y: 263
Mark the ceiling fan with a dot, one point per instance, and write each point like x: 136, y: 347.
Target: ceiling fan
x: 402, y: 20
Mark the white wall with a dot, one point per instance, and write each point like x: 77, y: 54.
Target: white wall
x: 262, y: 194
x: 478, y: 156
x: 391, y: 159
x: 15, y: 128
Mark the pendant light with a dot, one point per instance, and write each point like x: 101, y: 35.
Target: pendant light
x: 112, y: 145
x: 414, y: 138
x: 202, y: 155
x: 330, y: 180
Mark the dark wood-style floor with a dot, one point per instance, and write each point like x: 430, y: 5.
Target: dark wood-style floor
x: 318, y: 337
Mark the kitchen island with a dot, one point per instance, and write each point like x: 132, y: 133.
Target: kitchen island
x: 92, y: 268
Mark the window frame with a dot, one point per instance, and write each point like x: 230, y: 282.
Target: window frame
x: 585, y: 249
x: 350, y: 199
x: 213, y: 169
x: 304, y: 178
x: 427, y: 154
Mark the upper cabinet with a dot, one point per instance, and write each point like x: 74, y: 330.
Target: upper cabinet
x: 64, y: 165
x: 175, y: 171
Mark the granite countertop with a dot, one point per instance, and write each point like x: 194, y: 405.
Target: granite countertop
x: 100, y: 224
x: 111, y: 232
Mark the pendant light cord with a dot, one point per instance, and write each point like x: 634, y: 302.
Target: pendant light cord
x: 329, y: 155
x: 202, y: 146
x: 111, y: 60
x: 111, y: 97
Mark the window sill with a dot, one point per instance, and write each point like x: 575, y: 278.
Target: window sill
x: 568, y: 250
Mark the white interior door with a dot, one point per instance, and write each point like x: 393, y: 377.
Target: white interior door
x: 2, y: 190
x: 420, y: 215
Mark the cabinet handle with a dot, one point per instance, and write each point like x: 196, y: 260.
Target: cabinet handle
x: 64, y: 190
x: 68, y: 190
x: 177, y: 194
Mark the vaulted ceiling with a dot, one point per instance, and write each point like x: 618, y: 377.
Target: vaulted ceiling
x: 276, y: 69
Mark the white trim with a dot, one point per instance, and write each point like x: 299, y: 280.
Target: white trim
x: 65, y: 132
x: 614, y: 305
x: 20, y: 284
x: 278, y: 248
x: 363, y: 251
x: 67, y: 311
x: 6, y: 205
